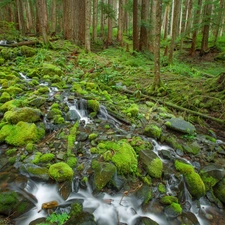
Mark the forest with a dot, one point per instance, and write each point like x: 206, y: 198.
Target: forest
x: 112, y: 112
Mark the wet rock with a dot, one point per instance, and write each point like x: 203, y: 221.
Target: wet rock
x: 36, y: 101
x: 35, y: 171
x: 144, y: 221
x: 189, y: 218
x: 152, y: 131
x: 14, y: 204
x: 152, y: 163
x: 144, y: 194
x: 219, y: 190
x: 61, y: 172
x: 173, y: 210
x: 65, y: 188
x: 180, y: 125
x: 103, y: 173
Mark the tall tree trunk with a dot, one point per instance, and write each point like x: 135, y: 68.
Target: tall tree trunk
x: 87, y: 25
x: 189, y: 17
x: 144, y: 25
x: 109, y: 39
x: 195, y: 32
x: 81, y: 21
x: 135, y: 26
x: 157, y: 11
x: 43, y: 18
x: 174, y: 28
x: 102, y: 28
x: 184, y: 23
x: 206, y: 22
x: 95, y: 20
x: 22, y: 25
x: 53, y: 17
x: 120, y: 22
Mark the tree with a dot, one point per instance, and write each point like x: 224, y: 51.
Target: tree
x: 206, y: 21
x: 95, y: 20
x: 143, y: 45
x: 157, y: 11
x: 109, y: 39
x: 43, y: 18
x: 135, y: 26
x: 87, y: 25
x: 120, y: 22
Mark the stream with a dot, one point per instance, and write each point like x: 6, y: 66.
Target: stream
x: 111, y: 207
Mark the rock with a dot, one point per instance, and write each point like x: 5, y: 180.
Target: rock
x: 60, y: 172
x: 5, y: 97
x: 25, y: 114
x: 21, y: 133
x: 219, y: 190
x: 152, y: 131
x: 144, y: 221
x: 49, y: 205
x: 173, y: 210
x: 144, y: 194
x: 194, y: 182
x: 103, y: 173
x: 152, y: 163
x: 180, y: 125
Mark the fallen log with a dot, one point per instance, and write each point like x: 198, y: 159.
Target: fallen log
x: 171, y: 105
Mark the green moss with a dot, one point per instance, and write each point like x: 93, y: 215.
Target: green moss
x: 54, y: 112
x: 123, y: 155
x: 152, y: 131
x: 219, y: 190
x: 155, y: 168
x: 12, y: 160
x: 132, y: 110
x: 71, y: 138
x: 13, y: 90
x: 25, y: 114
x: 139, y: 144
x: 5, y: 97
x: 162, y: 188
x: 76, y: 209
x: 61, y: 172
x: 58, y: 119
x: 175, y: 208
x: 42, y: 90
x: 92, y: 136
x: 47, y: 157
x: 8, y: 201
x: 77, y: 88
x: 209, y: 181
x: 71, y: 161
x: 11, y: 105
x: 37, y: 157
x: 21, y: 133
x: 93, y: 105
x: 11, y: 151
x: 27, y: 51
x: 51, y: 70
x: 194, y: 182
x: 37, y: 171
x: 167, y: 200
x: 30, y: 147
x: 2, y: 61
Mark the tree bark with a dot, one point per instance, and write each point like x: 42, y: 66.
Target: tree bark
x: 87, y: 25
x: 95, y: 20
x: 157, y: 11
x: 120, y: 22
x: 109, y: 39
x: 135, y: 26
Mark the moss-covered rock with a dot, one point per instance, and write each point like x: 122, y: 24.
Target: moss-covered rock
x: 61, y: 172
x: 21, y: 133
x: 93, y: 105
x: 35, y: 171
x: 25, y: 114
x: 5, y: 97
x: 173, y: 210
x: 13, y: 90
x: 153, y: 131
x: 10, y: 105
x: 121, y: 154
x: 194, y: 182
x: 132, y: 111
x: 103, y: 173
x: 27, y: 51
x: 51, y: 70
x: 219, y: 190
x: 47, y: 157
x: 139, y: 144
x: 144, y: 194
x: 167, y: 200
x: 152, y: 163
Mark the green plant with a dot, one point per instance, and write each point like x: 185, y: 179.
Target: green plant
x: 56, y: 218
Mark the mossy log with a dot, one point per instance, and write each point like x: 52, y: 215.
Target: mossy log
x: 174, y: 106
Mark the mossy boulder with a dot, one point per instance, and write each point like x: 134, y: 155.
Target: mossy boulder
x: 14, y: 90
x: 93, y: 105
x: 152, y: 163
x: 173, y: 210
x: 2, y: 61
x: 120, y: 153
x: 27, y: 51
x: 5, y: 97
x: 25, y: 114
x: 13, y: 204
x: 180, y: 125
x: 144, y: 194
x: 132, y: 111
x: 194, y: 182
x: 167, y: 200
x: 47, y: 157
x: 153, y: 131
x: 10, y: 105
x: 61, y: 172
x: 21, y: 133
x: 139, y: 144
x: 219, y: 190
x: 51, y: 70
x: 103, y: 173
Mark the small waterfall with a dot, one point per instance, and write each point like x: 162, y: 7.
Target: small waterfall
x: 24, y: 77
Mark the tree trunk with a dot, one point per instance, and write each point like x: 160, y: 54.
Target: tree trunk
x: 135, y: 26
x: 53, y: 17
x: 144, y: 25
x: 95, y: 20
x: 102, y: 29
x: 174, y: 28
x: 120, y: 22
x: 195, y: 32
x: 87, y: 25
x: 157, y: 10
x: 21, y: 19
x: 43, y: 18
x: 205, y: 33
x: 109, y: 39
